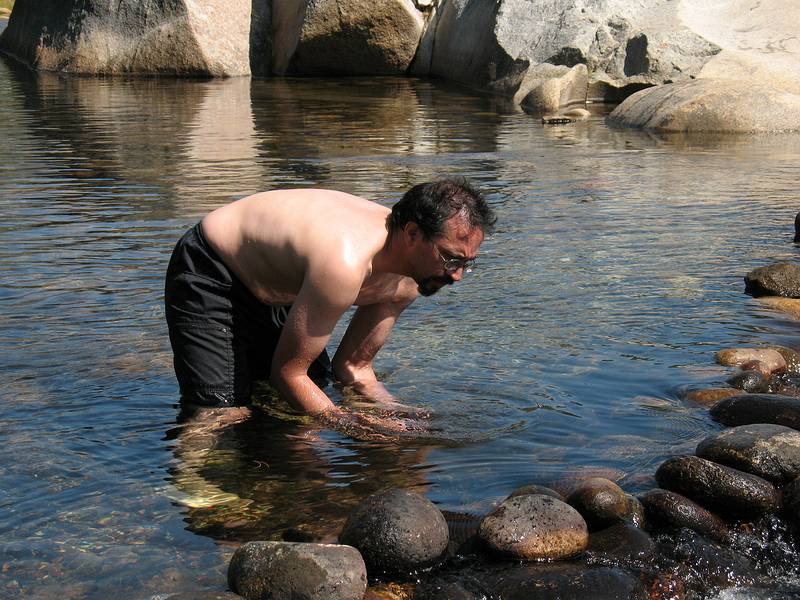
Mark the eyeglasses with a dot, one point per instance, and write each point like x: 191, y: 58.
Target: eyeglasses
x: 453, y: 264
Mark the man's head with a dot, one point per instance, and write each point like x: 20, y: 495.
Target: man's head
x: 443, y: 224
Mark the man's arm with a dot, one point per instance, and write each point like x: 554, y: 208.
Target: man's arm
x: 308, y: 328
x: 365, y: 336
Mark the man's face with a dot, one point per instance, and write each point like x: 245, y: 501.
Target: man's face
x: 448, y: 255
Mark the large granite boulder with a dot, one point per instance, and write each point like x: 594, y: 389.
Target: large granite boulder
x: 169, y: 37
x: 353, y: 37
x: 710, y: 105
x: 397, y: 532
x: 780, y: 279
x: 769, y: 451
x: 496, y: 45
x: 289, y: 570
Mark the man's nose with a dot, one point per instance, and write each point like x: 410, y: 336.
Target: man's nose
x: 457, y: 274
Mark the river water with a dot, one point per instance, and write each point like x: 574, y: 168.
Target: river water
x: 615, y: 273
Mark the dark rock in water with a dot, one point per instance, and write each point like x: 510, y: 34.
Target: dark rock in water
x: 565, y: 582
x: 203, y: 595
x: 438, y: 588
x: 463, y: 533
x: 295, y: 570
x: 769, y: 451
x: 621, y: 543
x: 780, y: 279
x: 532, y: 488
x: 778, y: 591
x: 791, y: 504
x: 706, y: 566
x: 635, y: 514
x: 672, y: 511
x: 534, y: 527
x: 600, y: 501
x: 719, y: 488
x: 785, y: 383
x: 397, y: 532
x: 749, y: 381
x: 758, y: 408
x: 758, y: 366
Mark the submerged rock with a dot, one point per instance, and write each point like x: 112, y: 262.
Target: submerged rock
x: 769, y: 451
x: 397, y: 532
x: 288, y: 570
x: 719, y: 488
x: 710, y: 105
x: 789, y: 306
x: 534, y: 526
x: 621, y: 543
x: 600, y: 502
x: 672, y: 511
x: 791, y: 504
x: 791, y: 357
x: 565, y: 582
x: 758, y: 408
x: 770, y: 357
x: 780, y: 279
x: 463, y: 533
x: 711, y: 396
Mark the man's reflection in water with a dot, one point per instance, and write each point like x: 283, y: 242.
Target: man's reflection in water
x: 259, y: 473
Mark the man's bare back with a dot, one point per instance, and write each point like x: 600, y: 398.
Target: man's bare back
x: 316, y: 253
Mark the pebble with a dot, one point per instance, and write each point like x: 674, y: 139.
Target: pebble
x: 534, y: 526
x: 733, y: 357
x: 672, y: 511
x: 600, y: 502
x: 397, y: 532
x: 749, y: 381
x: 533, y: 488
x: 758, y: 408
x: 711, y: 396
x: 621, y: 542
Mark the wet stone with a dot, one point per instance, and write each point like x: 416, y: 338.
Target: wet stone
x: 600, y: 502
x: 533, y: 488
x: 733, y: 357
x: 397, y: 532
x: 785, y: 384
x: 295, y: 570
x: 711, y: 396
x: 791, y: 357
x: 758, y: 366
x: 671, y: 511
x: 621, y: 543
x: 203, y: 595
x: 769, y: 451
x: 463, y: 533
x: 749, y: 381
x: 534, y: 527
x: 565, y: 582
x: 791, y: 504
x: 758, y: 408
x: 719, y: 488
x: 779, y: 279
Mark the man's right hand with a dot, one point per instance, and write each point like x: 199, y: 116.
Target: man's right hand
x: 364, y: 426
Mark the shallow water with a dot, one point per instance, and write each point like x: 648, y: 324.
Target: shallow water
x: 615, y: 273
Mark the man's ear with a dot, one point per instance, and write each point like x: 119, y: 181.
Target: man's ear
x: 411, y: 231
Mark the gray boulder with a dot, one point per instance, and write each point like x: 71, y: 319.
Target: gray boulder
x: 169, y: 37
x: 296, y: 571
x: 353, y: 37
x: 719, y: 488
x: 769, y: 451
x: 397, y: 532
x: 758, y: 408
x: 671, y: 511
x: 534, y: 526
x: 710, y: 105
x: 780, y: 279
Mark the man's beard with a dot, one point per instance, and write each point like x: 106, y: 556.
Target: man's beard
x: 430, y: 285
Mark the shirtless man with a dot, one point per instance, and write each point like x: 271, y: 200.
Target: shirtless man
x: 255, y: 289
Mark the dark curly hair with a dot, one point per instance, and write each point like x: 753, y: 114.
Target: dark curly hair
x: 429, y: 205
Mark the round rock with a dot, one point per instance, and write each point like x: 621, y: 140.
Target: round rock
x: 397, y: 532
x: 711, y: 396
x: 779, y: 279
x: 769, y: 451
x: 749, y: 381
x: 791, y: 357
x: 621, y: 543
x: 533, y: 488
x: 534, y: 526
x: 758, y: 408
x: 717, y: 487
x: 791, y: 503
x: 668, y: 510
x: 291, y: 570
x: 600, y: 501
x: 733, y: 357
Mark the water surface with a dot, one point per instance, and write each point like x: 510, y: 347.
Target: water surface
x: 615, y: 273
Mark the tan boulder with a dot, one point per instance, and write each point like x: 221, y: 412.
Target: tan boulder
x: 771, y: 359
x: 546, y: 88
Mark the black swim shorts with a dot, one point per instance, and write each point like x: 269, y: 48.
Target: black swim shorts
x: 223, y: 338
